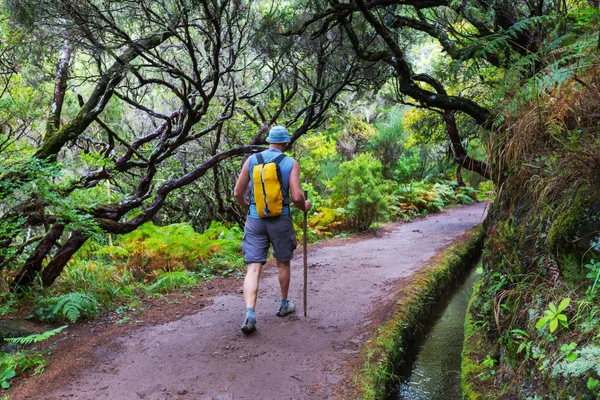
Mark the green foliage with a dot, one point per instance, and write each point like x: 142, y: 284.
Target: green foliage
x: 408, y: 201
x: 586, y: 362
x: 568, y: 351
x: 178, y: 246
x: 70, y: 307
x: 170, y: 280
x: 554, y: 315
x: 592, y: 385
x: 388, y: 143
x: 36, y: 338
x: 9, y: 305
x: 489, y: 363
x: 105, y: 278
x: 318, y: 160
x: 13, y: 365
x: 359, y: 188
x: 594, y: 274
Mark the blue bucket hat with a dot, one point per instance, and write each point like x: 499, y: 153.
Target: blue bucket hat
x: 278, y: 134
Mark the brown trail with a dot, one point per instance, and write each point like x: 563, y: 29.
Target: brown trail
x: 206, y: 356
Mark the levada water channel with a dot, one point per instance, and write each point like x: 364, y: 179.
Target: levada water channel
x: 431, y: 369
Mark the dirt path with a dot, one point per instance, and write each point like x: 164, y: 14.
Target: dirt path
x: 206, y: 356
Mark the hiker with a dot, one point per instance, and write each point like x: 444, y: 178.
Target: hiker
x: 269, y: 220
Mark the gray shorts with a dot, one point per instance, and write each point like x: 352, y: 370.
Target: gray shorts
x: 259, y: 233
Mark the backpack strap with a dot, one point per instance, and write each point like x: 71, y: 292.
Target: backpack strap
x: 278, y: 159
x: 259, y: 158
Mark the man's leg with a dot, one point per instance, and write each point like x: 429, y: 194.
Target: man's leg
x: 250, y: 295
x: 283, y: 273
x: 286, y: 306
x: 255, y: 246
x: 251, y: 284
x: 283, y: 237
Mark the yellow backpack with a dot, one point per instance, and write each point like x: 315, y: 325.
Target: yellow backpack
x: 268, y: 191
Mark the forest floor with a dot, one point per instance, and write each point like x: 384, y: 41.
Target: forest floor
x: 189, y: 346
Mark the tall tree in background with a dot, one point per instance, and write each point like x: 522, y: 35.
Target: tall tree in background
x: 497, y: 34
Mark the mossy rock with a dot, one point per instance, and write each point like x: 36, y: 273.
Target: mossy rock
x: 576, y: 229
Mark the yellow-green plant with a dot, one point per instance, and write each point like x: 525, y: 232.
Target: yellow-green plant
x: 554, y: 316
x: 359, y: 189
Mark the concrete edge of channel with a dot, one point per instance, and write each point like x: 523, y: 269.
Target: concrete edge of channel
x: 387, y: 347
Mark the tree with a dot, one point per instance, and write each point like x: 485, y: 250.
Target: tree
x: 138, y: 88
x: 496, y: 34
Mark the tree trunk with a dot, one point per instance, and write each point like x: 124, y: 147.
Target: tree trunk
x: 100, y: 96
x: 60, y: 260
x: 459, y: 178
x: 60, y: 88
x: 460, y: 154
x: 33, y: 265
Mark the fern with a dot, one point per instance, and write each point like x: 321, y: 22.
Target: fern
x: 171, y: 280
x: 73, y: 305
x: 37, y: 337
x: 70, y: 307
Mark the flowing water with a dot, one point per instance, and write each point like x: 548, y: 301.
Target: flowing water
x: 432, y: 371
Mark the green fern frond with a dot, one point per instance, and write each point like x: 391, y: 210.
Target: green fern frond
x: 171, y: 280
x: 70, y: 306
x: 37, y: 337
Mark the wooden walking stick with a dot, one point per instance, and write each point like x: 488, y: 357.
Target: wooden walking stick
x: 305, y: 254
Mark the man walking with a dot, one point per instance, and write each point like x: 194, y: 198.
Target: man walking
x: 259, y: 232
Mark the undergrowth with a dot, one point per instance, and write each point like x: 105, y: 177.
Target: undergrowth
x: 23, y: 361
x: 538, y: 314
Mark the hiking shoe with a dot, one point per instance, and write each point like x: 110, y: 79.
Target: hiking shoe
x: 249, y: 325
x: 285, y: 310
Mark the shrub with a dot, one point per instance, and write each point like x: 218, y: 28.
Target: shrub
x: 13, y: 365
x: 178, y: 247
x: 359, y: 189
x: 106, y: 282
x: 388, y: 143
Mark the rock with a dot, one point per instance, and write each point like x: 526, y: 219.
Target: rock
x: 12, y: 329
x: 146, y: 391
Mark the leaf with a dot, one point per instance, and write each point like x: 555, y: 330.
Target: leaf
x: 562, y: 317
x: 564, y: 304
x: 552, y: 307
x: 553, y: 325
x: 572, y: 357
x: 519, y: 332
x: 35, y: 338
x: 543, y: 321
x: 8, y: 373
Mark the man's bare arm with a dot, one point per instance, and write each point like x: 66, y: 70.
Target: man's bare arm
x: 241, y: 185
x: 296, y: 189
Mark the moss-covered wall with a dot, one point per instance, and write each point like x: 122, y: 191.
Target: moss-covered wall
x: 384, y: 351
x: 542, y: 248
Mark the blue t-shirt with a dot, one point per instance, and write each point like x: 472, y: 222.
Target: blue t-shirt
x: 286, y: 171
